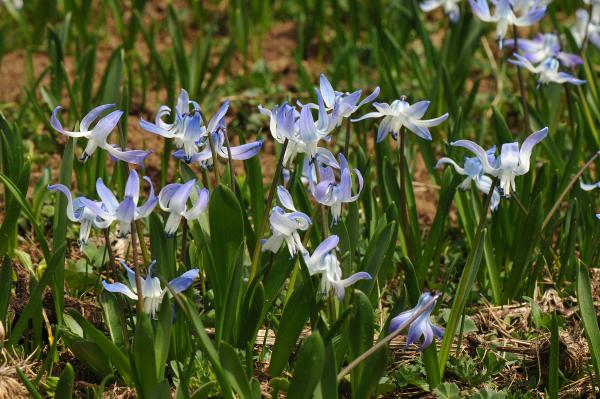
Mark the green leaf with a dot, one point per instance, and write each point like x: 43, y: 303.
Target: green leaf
x: 162, y: 336
x: 294, y: 317
x: 5, y: 287
x: 373, y: 259
x: 64, y: 389
x: 28, y: 384
x: 112, y: 317
x: 234, y: 370
x: 447, y: 390
x: 144, y: 355
x: 161, y: 390
x: 588, y: 316
x: 308, y: 368
x: 360, y: 335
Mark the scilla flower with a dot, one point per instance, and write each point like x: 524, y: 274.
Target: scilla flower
x: 126, y: 211
x: 450, y: 7
x: 474, y: 174
x: 331, y: 193
x: 584, y: 28
x: 285, y: 225
x: 547, y: 71
x: 505, y: 13
x: 152, y: 292
x: 324, y: 261
x: 341, y: 104
x: 511, y: 162
x: 543, y: 46
x: 87, y: 216
x: 186, y: 130
x: 400, y: 113
x: 98, y: 135
x: 284, y: 125
x: 204, y: 157
x: 422, y: 326
x: 173, y: 199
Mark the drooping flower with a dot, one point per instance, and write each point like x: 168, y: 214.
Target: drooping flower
x: 332, y: 193
x: 544, y: 46
x: 422, y: 326
x: 511, y: 162
x: 451, y: 8
x: 324, y: 261
x: 87, y: 216
x: 204, y: 157
x: 505, y: 13
x: 285, y: 225
x: 474, y: 174
x: 586, y: 28
x: 547, y: 71
x: 400, y: 113
x: 283, y: 125
x: 98, y: 135
x: 186, y: 130
x: 341, y: 104
x: 152, y: 292
x: 173, y: 199
x: 126, y: 211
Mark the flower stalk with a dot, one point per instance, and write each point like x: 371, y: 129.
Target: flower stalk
x: 268, y: 205
x: 521, y: 85
x: 138, y: 278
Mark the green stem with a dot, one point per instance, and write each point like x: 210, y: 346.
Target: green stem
x: 138, y: 278
x: 347, y: 141
x: 522, y: 87
x: 268, y: 204
x: 229, y: 160
x: 402, y: 208
x: 324, y: 220
x: 140, y: 233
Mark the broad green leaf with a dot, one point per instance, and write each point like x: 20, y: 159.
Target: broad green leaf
x: 308, y: 368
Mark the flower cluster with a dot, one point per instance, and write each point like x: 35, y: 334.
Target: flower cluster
x: 586, y: 28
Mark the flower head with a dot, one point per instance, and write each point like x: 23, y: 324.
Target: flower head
x: 422, y: 326
x: 285, y: 225
x: 152, y: 292
x: 186, y: 129
x: 98, y: 135
x: 329, y: 192
x: 324, y: 261
x: 173, y: 199
x: 544, y: 46
x: 400, y: 113
x: 340, y: 104
x: 126, y: 211
x: 547, y: 71
x: 451, y: 8
x: 511, y: 162
x: 85, y: 212
x: 473, y: 170
x: 506, y: 11
x: 584, y: 28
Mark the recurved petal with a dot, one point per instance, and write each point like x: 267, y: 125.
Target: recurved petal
x: 119, y: 288
x: 184, y: 281
x: 285, y: 198
x: 92, y: 116
x: 55, y: 123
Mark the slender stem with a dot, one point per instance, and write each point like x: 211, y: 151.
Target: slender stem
x: 184, y: 233
x: 324, y: 220
x: 229, y: 160
x: 111, y: 254
x: 402, y: 200
x: 140, y: 233
x: 360, y: 358
x: 347, y: 142
x: 213, y: 152
x: 205, y: 179
x: 268, y: 204
x: 138, y: 278
x: 520, y: 204
x: 567, y: 189
x: 522, y: 86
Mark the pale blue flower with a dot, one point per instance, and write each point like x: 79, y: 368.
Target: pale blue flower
x: 329, y: 192
x: 98, y: 135
x: 544, y: 46
x: 400, y: 113
x: 186, y: 130
x: 506, y: 11
x: 285, y: 225
x: 324, y: 261
x: 173, y: 199
x: 152, y: 292
x: 451, y: 8
x: 590, y: 187
x: 511, y: 162
x: 340, y: 104
x: 87, y: 216
x: 586, y: 28
x: 473, y: 170
x: 422, y: 326
x: 126, y: 211
x: 547, y: 71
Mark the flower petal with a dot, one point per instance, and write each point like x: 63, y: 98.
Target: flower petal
x: 184, y: 281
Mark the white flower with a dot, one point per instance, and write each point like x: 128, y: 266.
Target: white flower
x: 173, y: 199
x: 451, y: 8
x: 547, y: 71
